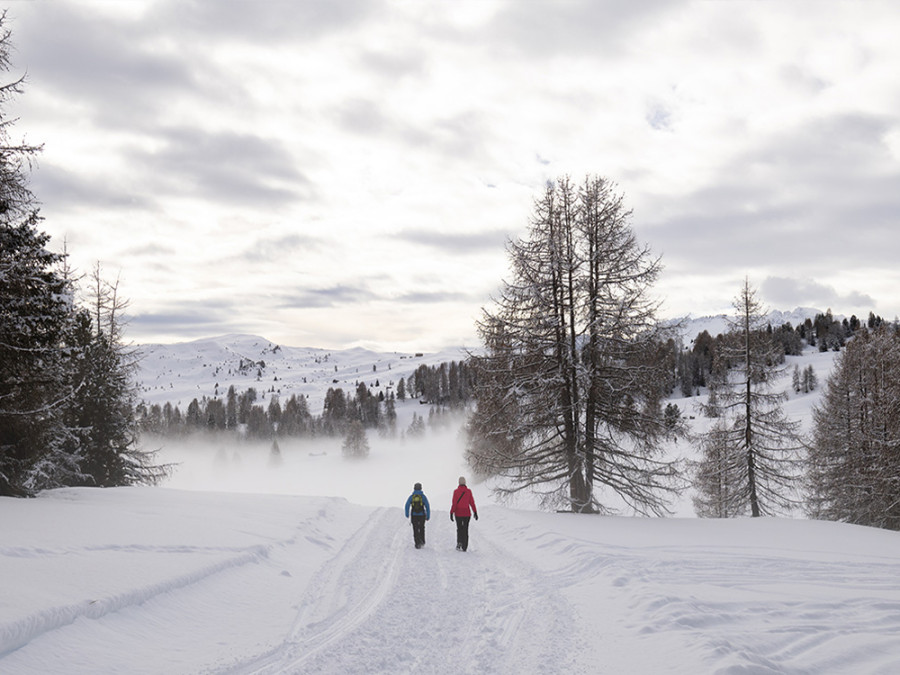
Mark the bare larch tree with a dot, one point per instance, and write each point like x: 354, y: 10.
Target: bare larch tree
x: 569, y: 387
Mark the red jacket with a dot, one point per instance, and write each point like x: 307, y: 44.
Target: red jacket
x: 462, y: 502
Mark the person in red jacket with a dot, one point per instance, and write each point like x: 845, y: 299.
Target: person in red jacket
x: 462, y: 508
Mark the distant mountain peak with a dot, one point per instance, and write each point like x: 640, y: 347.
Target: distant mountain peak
x: 692, y: 326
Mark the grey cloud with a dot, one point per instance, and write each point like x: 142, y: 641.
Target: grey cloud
x: 394, y: 65
x: 822, y: 147
x: 152, y: 250
x: 365, y: 118
x: 178, y: 319
x: 460, y: 244
x: 345, y: 294
x: 253, y: 21
x: 195, y: 319
x: 659, y: 117
x: 265, y: 249
x: 106, y: 66
x: 455, y: 137
x: 433, y: 298
x: 124, y: 71
x: 796, y: 77
x: 225, y: 167
x: 328, y: 297
x: 573, y: 26
x: 362, y: 116
x: 460, y: 136
x: 788, y: 292
x: 64, y: 190
x: 807, y: 199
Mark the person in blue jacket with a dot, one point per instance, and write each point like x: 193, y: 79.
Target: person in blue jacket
x: 418, y: 511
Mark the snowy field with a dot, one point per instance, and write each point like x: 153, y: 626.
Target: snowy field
x: 154, y: 580
x: 239, y: 565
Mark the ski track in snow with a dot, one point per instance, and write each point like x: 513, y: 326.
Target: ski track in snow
x: 381, y: 606
x: 758, y: 614
x: 730, y: 611
x: 18, y: 633
x: 143, y: 612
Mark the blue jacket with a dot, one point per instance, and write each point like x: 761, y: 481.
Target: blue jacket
x: 424, y: 501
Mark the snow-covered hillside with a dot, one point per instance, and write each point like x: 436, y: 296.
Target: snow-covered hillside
x: 691, y: 326
x: 177, y: 373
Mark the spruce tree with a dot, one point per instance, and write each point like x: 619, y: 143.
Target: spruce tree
x: 231, y: 414
x: 810, y: 380
x: 36, y: 324
x: 416, y: 427
x: 390, y: 416
x: 275, y: 458
x: 295, y: 418
x: 356, y: 445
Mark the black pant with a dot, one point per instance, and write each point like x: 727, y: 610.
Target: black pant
x: 418, y: 525
x: 462, y: 532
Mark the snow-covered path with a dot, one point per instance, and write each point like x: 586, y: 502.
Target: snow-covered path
x: 166, y: 581
x: 382, y: 606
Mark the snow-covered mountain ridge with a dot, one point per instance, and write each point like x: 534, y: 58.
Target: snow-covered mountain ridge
x: 691, y: 326
x: 177, y: 373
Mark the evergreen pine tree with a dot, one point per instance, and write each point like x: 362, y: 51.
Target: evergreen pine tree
x: 36, y: 323
x: 810, y: 381
x: 356, y: 445
x: 36, y: 329
x: 416, y: 427
x: 231, y: 414
x: 295, y: 418
x: 672, y: 416
x: 390, y: 416
x: 275, y: 458
x: 258, y: 424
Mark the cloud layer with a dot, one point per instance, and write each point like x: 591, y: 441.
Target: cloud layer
x: 348, y: 173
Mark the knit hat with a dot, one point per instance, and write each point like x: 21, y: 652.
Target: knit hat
x: 417, y: 486
x: 462, y: 480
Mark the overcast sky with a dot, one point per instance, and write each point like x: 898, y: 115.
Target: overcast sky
x: 339, y: 173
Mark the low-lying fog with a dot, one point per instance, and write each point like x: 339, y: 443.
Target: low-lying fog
x: 317, y: 467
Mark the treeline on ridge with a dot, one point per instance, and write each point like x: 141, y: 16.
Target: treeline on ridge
x: 445, y: 388
x: 695, y: 364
